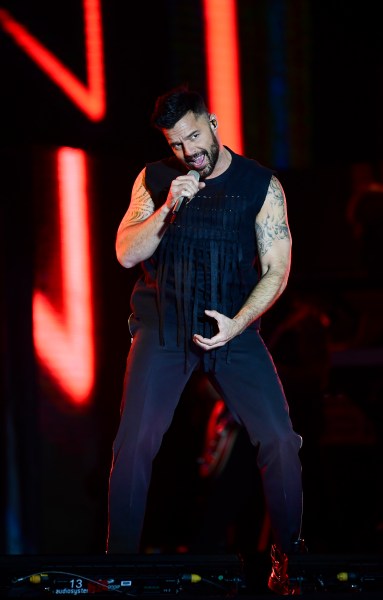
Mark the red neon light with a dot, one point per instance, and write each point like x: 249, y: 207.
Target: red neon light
x: 223, y: 76
x: 91, y: 98
x: 64, y: 342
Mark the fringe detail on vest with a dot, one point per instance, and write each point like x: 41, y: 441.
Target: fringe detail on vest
x: 187, y: 258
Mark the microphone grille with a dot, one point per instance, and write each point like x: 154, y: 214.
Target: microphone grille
x: 195, y: 174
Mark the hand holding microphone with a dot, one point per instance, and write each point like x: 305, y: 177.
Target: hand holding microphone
x: 180, y: 200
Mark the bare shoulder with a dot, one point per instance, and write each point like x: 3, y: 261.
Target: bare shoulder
x: 271, y: 224
x: 141, y: 204
x: 275, y: 194
x: 275, y: 201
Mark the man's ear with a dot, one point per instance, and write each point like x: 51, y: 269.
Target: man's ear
x: 213, y: 121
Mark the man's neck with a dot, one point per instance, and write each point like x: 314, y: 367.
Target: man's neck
x: 223, y: 163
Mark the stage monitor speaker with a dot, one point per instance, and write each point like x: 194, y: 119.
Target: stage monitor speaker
x: 129, y: 575
x: 337, y: 573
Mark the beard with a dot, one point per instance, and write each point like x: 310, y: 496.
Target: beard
x: 212, y: 154
x: 212, y: 157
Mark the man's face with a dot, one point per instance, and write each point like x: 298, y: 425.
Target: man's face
x: 194, y: 143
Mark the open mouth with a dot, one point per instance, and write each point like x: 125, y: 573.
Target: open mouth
x: 198, y: 161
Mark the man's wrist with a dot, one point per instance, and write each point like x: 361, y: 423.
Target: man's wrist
x: 241, y: 322
x: 164, y: 210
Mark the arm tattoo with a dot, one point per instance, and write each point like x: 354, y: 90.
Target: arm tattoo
x: 274, y: 224
x: 141, y: 205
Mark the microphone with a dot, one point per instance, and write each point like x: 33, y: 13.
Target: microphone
x: 177, y: 205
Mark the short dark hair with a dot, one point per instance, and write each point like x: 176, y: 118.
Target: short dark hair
x: 173, y: 105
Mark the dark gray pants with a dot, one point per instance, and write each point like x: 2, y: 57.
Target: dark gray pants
x: 247, y: 380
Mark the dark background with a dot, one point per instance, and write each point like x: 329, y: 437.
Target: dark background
x: 55, y: 461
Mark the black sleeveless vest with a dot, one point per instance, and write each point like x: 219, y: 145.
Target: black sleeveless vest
x: 207, y: 259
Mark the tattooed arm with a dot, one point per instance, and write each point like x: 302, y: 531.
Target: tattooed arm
x: 142, y: 228
x: 274, y: 249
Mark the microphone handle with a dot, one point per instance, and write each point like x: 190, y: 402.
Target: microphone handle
x: 176, y: 208
x: 177, y: 205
